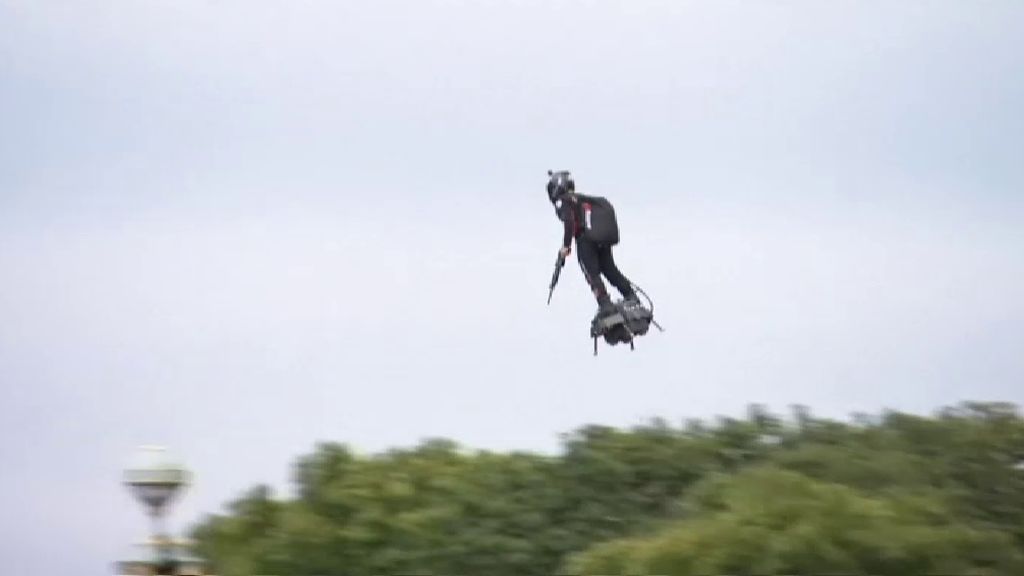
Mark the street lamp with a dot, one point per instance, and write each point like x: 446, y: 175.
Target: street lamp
x: 156, y: 479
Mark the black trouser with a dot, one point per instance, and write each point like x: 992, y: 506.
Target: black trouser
x: 596, y: 260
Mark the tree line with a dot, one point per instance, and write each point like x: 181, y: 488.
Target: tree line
x: 891, y: 493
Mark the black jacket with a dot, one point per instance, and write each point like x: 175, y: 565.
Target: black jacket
x: 571, y: 215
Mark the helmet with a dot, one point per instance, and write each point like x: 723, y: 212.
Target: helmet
x: 559, y: 184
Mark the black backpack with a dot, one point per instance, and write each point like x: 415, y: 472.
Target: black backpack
x: 599, y: 223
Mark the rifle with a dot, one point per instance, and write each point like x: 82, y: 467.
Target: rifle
x: 559, y: 263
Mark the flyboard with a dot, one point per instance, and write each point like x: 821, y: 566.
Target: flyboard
x: 630, y: 320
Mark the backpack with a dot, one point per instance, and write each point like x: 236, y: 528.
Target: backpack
x: 599, y: 223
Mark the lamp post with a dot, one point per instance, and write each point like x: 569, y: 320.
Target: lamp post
x: 156, y: 479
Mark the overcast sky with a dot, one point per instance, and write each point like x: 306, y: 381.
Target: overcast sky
x: 238, y: 228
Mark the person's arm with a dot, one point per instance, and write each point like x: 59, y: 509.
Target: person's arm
x: 569, y: 223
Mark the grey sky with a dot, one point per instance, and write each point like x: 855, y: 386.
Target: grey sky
x: 239, y: 228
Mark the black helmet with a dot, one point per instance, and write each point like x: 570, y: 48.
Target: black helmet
x: 559, y: 184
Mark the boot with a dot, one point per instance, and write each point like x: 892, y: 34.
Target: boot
x: 632, y: 302
x: 604, y: 306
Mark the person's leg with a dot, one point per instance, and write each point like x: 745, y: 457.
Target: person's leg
x: 590, y: 263
x: 606, y: 261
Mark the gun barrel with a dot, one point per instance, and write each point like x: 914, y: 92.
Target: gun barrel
x: 559, y: 263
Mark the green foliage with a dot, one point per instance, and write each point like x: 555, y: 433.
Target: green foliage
x: 887, y: 494
x: 769, y: 521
